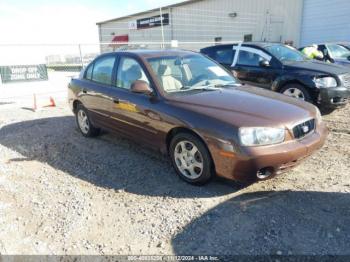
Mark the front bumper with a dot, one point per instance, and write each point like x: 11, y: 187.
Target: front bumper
x: 333, y: 97
x: 277, y: 158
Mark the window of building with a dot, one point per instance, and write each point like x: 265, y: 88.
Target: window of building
x: 217, y: 40
x: 248, y: 38
x: 103, y: 69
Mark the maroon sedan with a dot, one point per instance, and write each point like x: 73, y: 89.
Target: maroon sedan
x: 188, y: 106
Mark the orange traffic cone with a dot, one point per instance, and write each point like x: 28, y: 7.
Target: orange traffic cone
x: 37, y: 104
x: 52, y: 102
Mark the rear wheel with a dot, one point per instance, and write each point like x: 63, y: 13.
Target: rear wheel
x: 84, y: 123
x: 191, y: 159
x: 297, y: 91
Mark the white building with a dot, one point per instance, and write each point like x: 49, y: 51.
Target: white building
x: 325, y: 21
x: 301, y: 22
x: 209, y: 21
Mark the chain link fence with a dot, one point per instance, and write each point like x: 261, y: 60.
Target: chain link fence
x: 45, y: 70
x: 37, y: 62
x: 27, y: 71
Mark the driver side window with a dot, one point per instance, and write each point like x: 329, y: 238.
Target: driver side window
x: 249, y: 58
x: 129, y: 70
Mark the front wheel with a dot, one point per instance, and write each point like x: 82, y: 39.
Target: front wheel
x: 191, y: 159
x: 296, y: 91
x: 84, y: 123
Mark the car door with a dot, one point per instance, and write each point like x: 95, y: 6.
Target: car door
x: 96, y: 88
x: 248, y: 67
x: 134, y: 114
x: 325, y: 52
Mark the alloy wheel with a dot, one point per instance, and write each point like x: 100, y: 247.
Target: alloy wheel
x: 188, y: 159
x: 294, y: 92
x: 83, y: 121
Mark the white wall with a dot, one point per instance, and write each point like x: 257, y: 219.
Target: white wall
x: 257, y: 17
x: 269, y: 20
x: 121, y: 27
x: 325, y: 21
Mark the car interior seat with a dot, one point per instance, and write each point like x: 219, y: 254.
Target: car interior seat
x: 169, y: 82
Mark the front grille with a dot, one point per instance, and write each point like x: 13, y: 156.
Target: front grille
x: 303, y: 129
x: 346, y: 80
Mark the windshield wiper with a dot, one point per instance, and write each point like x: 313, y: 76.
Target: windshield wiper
x: 227, y: 85
x: 200, y: 88
x: 206, y: 87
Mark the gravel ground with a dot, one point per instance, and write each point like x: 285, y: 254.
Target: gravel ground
x: 61, y: 193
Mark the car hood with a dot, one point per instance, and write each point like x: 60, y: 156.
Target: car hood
x: 247, y: 106
x: 343, y: 62
x: 317, y: 66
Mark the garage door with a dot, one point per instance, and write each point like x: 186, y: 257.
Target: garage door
x: 325, y: 21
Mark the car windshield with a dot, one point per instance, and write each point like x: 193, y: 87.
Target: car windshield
x: 190, y: 73
x: 338, y: 51
x: 285, y: 53
x: 347, y: 46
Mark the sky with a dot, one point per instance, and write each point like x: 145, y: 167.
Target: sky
x: 63, y: 21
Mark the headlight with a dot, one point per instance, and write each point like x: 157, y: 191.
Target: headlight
x: 318, y: 116
x: 259, y: 136
x: 325, y: 82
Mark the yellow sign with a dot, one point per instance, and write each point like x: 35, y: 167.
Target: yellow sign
x: 127, y: 107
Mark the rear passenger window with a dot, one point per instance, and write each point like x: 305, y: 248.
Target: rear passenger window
x: 224, y: 56
x: 103, y: 69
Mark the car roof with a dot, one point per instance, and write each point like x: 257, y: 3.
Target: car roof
x: 149, y: 53
x: 261, y: 44
x: 330, y: 43
x: 254, y: 44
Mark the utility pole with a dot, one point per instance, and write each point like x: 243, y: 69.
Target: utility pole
x: 161, y: 25
x: 81, y: 57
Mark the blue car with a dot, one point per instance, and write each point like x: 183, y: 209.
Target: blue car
x: 346, y: 45
x: 337, y: 53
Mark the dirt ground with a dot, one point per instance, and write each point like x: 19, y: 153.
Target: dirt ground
x: 61, y: 193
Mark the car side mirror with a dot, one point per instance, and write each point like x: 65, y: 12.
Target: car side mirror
x: 141, y: 87
x: 264, y: 63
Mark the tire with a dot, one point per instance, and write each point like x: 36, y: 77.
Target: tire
x: 84, y: 124
x: 298, y: 90
x: 195, y: 167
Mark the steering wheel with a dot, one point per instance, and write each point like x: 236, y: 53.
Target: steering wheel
x: 199, y: 78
